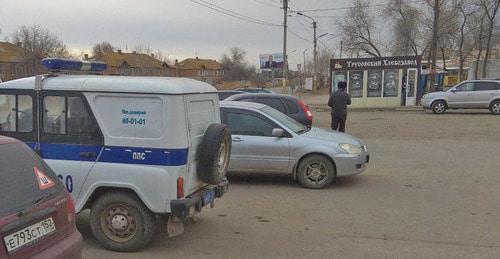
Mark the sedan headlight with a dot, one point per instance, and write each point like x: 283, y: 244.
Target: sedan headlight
x: 351, y: 149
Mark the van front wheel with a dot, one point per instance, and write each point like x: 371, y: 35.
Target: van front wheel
x: 121, y: 222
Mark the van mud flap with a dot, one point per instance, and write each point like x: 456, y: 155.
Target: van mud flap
x: 175, y: 226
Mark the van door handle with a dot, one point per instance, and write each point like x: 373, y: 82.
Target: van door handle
x: 88, y: 154
x: 237, y: 139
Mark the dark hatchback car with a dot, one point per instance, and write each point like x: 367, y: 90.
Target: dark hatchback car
x: 255, y: 90
x: 226, y: 93
x: 287, y: 104
x: 37, y: 215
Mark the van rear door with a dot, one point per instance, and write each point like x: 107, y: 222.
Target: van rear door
x: 202, y: 110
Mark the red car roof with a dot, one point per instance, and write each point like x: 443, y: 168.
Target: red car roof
x: 7, y: 140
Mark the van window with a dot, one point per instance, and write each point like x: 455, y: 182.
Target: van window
x: 79, y: 120
x: 66, y: 115
x: 54, y: 116
x: 16, y: 113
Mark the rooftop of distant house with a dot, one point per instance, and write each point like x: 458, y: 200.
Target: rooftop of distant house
x: 198, y: 63
x: 133, y: 59
x: 11, y: 52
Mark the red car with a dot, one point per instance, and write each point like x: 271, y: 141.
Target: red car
x: 37, y: 215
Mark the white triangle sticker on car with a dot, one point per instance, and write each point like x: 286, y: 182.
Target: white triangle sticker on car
x: 44, y: 181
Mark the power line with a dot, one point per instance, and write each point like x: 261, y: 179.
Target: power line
x: 304, y: 26
x: 233, y: 13
x: 350, y: 7
x: 265, y: 3
x: 298, y: 35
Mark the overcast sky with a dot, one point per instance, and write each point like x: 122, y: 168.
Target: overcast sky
x: 179, y: 28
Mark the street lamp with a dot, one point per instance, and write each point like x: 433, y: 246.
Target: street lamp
x: 315, y: 53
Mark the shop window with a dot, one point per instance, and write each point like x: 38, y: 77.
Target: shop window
x: 338, y: 77
x: 374, y: 83
x: 356, y: 83
x: 391, y: 82
x: 16, y: 113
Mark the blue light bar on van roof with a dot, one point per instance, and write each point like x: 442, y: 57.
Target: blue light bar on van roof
x: 59, y: 64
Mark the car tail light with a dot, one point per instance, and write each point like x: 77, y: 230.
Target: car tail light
x: 180, y: 188
x: 70, y: 208
x: 305, y: 108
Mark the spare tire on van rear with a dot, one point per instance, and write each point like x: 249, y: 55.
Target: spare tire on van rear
x: 214, y: 153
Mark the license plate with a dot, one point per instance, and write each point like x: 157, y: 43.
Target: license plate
x: 29, y: 235
x: 208, y: 197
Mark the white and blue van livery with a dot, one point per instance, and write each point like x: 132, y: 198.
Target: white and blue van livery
x: 128, y: 148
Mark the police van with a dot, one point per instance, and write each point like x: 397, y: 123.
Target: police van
x: 127, y: 148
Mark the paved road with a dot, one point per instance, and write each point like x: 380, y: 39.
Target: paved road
x: 430, y: 191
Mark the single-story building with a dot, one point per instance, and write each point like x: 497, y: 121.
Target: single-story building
x: 378, y: 82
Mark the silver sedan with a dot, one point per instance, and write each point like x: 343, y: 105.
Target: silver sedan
x: 266, y: 140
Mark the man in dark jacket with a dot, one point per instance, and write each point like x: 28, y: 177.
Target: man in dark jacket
x: 338, y: 102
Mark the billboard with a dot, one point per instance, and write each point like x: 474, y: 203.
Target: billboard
x: 271, y: 61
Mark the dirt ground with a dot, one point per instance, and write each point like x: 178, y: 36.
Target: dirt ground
x: 430, y: 191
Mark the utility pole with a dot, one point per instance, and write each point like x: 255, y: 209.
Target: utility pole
x: 285, y: 58
x: 315, y: 84
x: 434, y: 42
x: 341, y: 45
x: 304, y: 53
x: 303, y: 74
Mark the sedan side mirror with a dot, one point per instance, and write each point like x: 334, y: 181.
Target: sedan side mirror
x: 453, y: 90
x: 279, y: 133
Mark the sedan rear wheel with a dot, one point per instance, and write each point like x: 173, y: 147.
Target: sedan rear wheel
x: 316, y: 172
x: 438, y: 107
x: 495, y: 107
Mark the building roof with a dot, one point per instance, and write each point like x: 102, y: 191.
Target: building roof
x: 198, y: 63
x: 117, y: 84
x: 11, y: 53
x: 116, y: 59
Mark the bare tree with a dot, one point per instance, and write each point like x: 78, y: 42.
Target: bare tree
x: 235, y: 65
x: 465, y: 40
x: 480, y: 19
x: 103, y: 47
x: 144, y: 49
x: 408, y: 36
x: 358, y: 30
x: 38, y: 43
x: 162, y: 57
x: 490, y: 9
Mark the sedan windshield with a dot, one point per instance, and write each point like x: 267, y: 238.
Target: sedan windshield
x: 288, y: 122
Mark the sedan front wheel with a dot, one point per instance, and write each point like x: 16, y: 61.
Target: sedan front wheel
x: 315, y: 172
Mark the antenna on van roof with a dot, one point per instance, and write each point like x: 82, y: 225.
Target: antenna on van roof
x: 72, y: 66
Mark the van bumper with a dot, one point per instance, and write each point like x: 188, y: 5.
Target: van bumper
x: 185, y: 208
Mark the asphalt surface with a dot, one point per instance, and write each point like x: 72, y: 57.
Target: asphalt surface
x: 430, y: 191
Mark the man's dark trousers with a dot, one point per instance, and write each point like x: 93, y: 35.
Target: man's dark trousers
x: 338, y: 122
